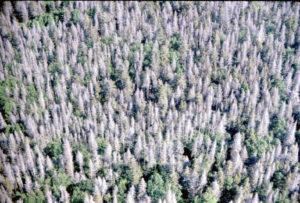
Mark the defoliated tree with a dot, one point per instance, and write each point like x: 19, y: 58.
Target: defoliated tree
x: 108, y: 153
x: 171, y: 197
x: 93, y: 146
x: 21, y: 11
x: 136, y: 171
x: 138, y: 148
x: 68, y: 158
x: 142, y: 190
x: 130, y: 198
x: 32, y: 10
x: 79, y: 159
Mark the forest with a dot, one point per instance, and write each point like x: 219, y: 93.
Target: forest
x: 159, y: 102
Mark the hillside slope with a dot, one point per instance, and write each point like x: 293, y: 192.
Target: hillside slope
x: 149, y: 102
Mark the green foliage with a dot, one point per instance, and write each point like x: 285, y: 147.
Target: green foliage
x: 297, y: 135
x: 278, y: 127
x: 263, y: 191
x: 172, y: 51
x: 89, y: 43
x: 76, y: 110
x: 110, y: 71
x: 228, y: 183
x: 135, y: 172
x: 79, y: 190
x: 32, y: 94
x: 75, y: 15
x: 124, y: 181
x: 286, y: 200
x: 164, y: 56
x: 108, y: 89
x: 156, y: 187
x: 277, y: 82
x: 62, y: 179
x: 11, y: 128
x: 87, y: 186
x: 148, y: 54
x: 54, y: 149
x: 159, y: 191
x: 65, y: 3
x: 222, y: 38
x: 45, y: 19
x: 218, y: 76
x: 245, y: 86
x: 175, y: 42
x: 259, y: 144
x: 174, y: 55
x: 54, y: 179
x: 131, y: 72
x: 180, y: 69
x: 55, y: 80
x: 270, y: 28
x: 123, y: 81
x: 180, y: 8
x: 229, y: 190
x: 7, y: 105
x: 49, y: 6
x: 209, y: 196
x: 54, y: 68
x: 279, y: 180
x: 102, y: 172
x: 91, y: 12
x: 108, y: 197
x: 107, y: 40
x: 243, y: 34
x: 289, y: 52
x: 135, y: 46
x: 290, y: 23
x: 213, y: 16
x: 9, y: 68
x: 77, y: 196
x: 85, y: 153
x: 10, y: 82
x: 101, y: 145
x: 239, y: 126
x: 7, y: 102
x: 130, y: 172
x: 42, y: 20
x: 123, y: 186
x: 18, y: 58
x: 31, y: 197
x: 81, y: 57
x: 40, y: 112
x: 161, y: 94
